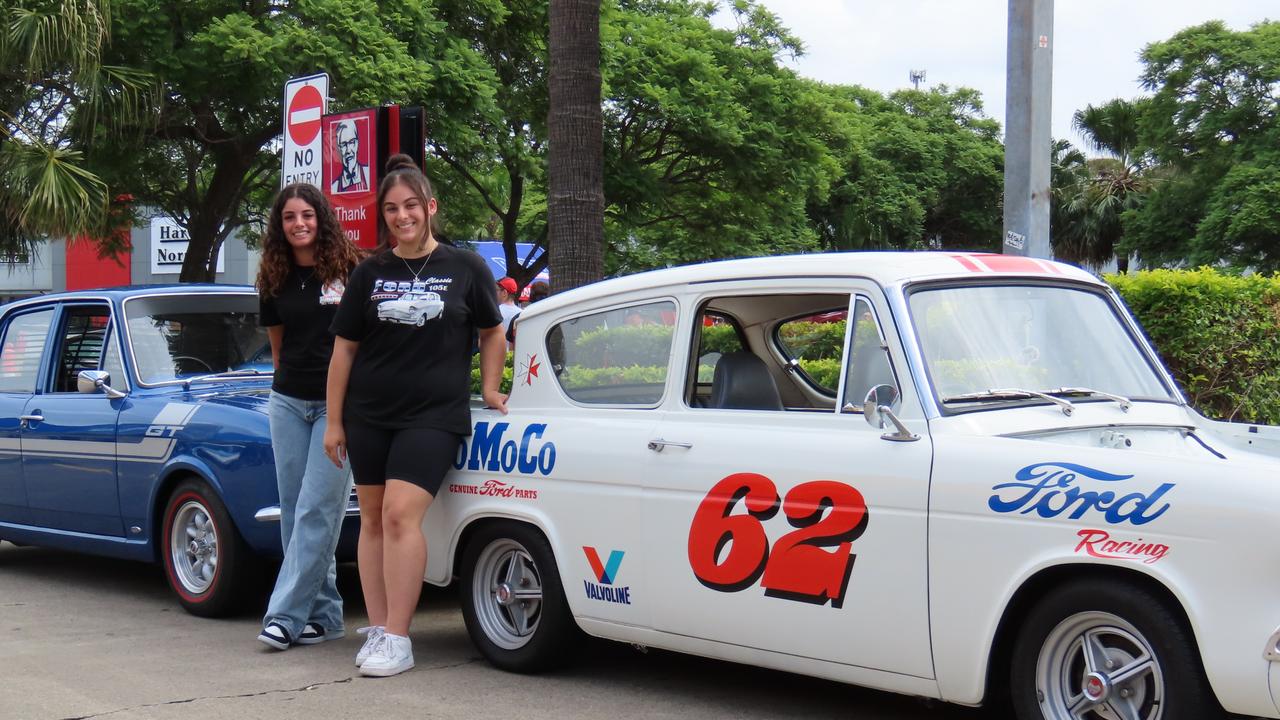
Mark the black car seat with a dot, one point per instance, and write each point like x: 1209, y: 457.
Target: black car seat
x: 742, y: 382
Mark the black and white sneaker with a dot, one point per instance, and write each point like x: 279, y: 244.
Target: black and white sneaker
x: 313, y: 633
x: 276, y: 636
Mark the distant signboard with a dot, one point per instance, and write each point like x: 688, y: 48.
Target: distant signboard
x: 351, y: 172
x: 496, y: 257
x: 169, y: 247
x: 305, y: 100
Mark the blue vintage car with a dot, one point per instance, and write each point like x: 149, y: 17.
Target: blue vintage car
x: 133, y: 424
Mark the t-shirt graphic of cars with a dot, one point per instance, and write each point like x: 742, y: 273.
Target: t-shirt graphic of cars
x: 411, y: 309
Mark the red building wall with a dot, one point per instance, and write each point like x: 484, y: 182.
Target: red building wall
x: 85, y: 270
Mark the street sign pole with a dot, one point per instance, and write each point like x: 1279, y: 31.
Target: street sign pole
x: 1027, y: 143
x: 305, y: 102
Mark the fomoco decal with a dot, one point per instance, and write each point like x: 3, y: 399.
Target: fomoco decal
x: 1101, y: 544
x: 1050, y: 489
x: 155, y: 446
x: 490, y: 448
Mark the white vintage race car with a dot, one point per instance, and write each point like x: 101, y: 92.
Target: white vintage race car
x: 411, y: 308
x: 957, y: 476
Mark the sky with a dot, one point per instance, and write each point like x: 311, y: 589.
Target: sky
x: 961, y: 43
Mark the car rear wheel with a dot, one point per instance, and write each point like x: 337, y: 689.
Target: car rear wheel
x: 206, y: 562
x: 1108, y: 650
x: 512, y: 599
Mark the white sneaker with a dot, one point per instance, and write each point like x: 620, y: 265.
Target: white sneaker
x: 373, y: 637
x: 393, y: 656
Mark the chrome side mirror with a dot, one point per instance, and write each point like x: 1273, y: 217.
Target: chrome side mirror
x: 91, y: 381
x: 877, y: 407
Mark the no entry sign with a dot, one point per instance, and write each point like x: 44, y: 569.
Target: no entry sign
x: 304, y: 105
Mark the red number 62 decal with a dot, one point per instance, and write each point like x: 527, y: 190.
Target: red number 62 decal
x: 798, y: 567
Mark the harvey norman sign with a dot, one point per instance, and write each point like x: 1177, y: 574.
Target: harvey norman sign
x: 169, y: 247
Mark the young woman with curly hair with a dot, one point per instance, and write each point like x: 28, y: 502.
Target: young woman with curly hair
x: 305, y: 263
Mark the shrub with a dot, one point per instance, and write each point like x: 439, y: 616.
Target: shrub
x: 625, y: 345
x: 1218, y: 334
x: 507, y: 373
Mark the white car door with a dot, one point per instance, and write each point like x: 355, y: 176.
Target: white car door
x: 799, y: 530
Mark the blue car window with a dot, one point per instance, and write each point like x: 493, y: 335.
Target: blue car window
x: 22, y: 351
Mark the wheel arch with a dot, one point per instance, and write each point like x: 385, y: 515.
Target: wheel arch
x: 173, y: 475
x: 1043, y: 582
x: 480, y: 521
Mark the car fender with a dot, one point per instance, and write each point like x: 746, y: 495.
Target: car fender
x: 441, y: 568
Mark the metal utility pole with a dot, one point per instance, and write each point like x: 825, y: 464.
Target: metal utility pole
x: 1027, y: 141
x: 917, y: 77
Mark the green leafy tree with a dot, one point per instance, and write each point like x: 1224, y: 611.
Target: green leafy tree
x: 55, y: 91
x: 208, y: 155
x: 1213, y: 120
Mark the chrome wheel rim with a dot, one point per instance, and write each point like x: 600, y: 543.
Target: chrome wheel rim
x: 506, y: 592
x: 193, y: 547
x: 1098, y: 666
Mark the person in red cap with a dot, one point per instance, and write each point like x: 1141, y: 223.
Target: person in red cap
x: 507, y: 290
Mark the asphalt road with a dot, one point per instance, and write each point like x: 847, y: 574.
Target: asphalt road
x: 84, y: 637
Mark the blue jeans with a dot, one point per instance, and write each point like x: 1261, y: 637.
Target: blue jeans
x: 313, y: 502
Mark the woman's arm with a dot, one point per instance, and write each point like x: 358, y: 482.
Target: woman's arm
x: 275, y: 333
x: 493, y: 355
x: 335, y: 436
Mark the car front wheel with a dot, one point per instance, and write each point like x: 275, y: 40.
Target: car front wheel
x: 1108, y: 650
x: 205, y: 559
x: 512, y: 599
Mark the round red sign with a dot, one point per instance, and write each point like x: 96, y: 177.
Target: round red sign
x: 305, y: 110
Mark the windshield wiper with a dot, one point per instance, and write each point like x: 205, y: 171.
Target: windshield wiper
x: 227, y: 375
x: 1011, y: 394
x: 1123, y: 402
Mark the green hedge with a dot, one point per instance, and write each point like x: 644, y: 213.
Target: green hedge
x: 1218, y: 334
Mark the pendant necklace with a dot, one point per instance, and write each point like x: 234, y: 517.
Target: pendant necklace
x: 306, y: 279
x: 422, y: 267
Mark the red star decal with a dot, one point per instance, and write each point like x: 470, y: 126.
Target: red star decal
x: 531, y: 369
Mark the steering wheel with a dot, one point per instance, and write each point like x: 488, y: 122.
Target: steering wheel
x: 206, y: 365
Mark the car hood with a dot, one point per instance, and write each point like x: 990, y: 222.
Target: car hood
x: 246, y: 398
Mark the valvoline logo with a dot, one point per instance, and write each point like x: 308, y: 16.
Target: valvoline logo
x: 606, y: 573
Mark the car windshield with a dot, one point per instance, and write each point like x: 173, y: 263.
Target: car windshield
x: 1017, y: 340
x: 178, y: 337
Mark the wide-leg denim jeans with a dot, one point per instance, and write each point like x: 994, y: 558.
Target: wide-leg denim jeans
x: 313, y: 502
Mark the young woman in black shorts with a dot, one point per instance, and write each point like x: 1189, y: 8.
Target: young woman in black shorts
x: 399, y: 396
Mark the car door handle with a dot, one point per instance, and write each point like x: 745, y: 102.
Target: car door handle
x: 31, y: 418
x: 658, y: 444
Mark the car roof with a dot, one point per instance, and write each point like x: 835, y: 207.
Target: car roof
x: 120, y: 293
x: 884, y: 268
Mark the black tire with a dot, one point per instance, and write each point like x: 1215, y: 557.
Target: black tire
x: 211, y: 568
x: 1126, y: 626
x: 526, y: 626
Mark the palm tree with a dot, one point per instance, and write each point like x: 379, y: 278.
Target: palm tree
x: 575, y: 129
x: 54, y: 94
x: 1094, y: 194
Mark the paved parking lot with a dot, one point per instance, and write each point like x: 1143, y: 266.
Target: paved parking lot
x: 84, y: 637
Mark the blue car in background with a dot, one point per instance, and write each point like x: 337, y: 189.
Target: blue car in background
x: 133, y: 424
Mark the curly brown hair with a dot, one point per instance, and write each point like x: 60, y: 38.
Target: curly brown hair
x: 335, y: 254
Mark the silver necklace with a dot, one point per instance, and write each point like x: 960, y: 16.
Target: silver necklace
x: 307, y: 279
x: 423, y: 267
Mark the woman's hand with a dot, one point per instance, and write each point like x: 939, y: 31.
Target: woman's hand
x: 495, y: 400
x: 335, y: 443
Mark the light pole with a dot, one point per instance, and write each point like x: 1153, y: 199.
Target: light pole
x: 1027, y: 140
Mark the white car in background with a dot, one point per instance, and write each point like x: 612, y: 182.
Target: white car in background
x: 958, y: 476
x: 411, y: 308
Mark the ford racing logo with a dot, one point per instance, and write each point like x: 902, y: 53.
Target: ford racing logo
x: 1049, y: 489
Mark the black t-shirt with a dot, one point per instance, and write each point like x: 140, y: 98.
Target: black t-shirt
x: 305, y: 307
x: 413, y: 366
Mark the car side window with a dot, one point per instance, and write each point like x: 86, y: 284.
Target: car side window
x: 83, y: 344
x: 814, y: 344
x: 868, y: 362
x: 616, y: 357
x: 718, y: 335
x: 22, y: 350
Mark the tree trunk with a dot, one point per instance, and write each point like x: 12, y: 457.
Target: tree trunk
x: 575, y: 202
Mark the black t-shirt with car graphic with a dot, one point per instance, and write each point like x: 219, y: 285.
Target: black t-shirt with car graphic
x: 413, y: 366
x: 305, y: 307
